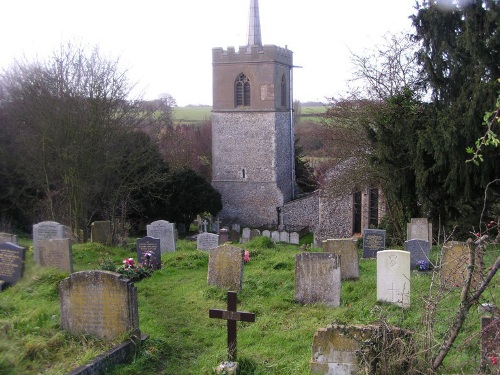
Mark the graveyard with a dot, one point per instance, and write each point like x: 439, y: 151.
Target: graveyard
x: 174, y: 304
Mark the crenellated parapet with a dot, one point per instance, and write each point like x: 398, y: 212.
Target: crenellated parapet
x: 252, y: 54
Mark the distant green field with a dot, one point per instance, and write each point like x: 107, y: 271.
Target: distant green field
x: 197, y: 114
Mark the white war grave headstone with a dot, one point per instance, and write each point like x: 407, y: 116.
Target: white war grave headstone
x: 393, y: 277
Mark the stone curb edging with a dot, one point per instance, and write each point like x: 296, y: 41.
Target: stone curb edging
x: 119, y: 354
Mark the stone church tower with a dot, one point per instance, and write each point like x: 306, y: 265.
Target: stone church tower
x: 252, y: 129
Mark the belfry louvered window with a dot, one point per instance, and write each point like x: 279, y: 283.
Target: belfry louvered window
x: 242, y: 91
x: 283, y: 91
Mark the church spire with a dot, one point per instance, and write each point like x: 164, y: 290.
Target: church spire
x: 254, y: 37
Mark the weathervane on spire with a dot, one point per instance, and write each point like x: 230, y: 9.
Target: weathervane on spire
x: 254, y: 37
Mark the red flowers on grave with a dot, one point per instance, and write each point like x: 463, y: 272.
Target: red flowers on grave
x: 129, y: 263
x: 246, y: 257
x: 493, y: 359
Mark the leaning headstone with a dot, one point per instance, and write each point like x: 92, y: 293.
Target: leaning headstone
x: 11, y: 263
x: 7, y: 237
x: 99, y: 303
x: 294, y: 238
x: 454, y: 265
x: 275, y: 236
x: 102, y: 232
x: 46, y: 230
x: 149, y: 252
x: 393, y: 277
x: 225, y: 267
x: 284, y: 237
x: 207, y: 241
x: 165, y: 231
x: 348, y: 251
x: 56, y: 253
x: 336, y: 349
x: 317, y: 278
x: 419, y: 252
x: 419, y: 229
x: 373, y: 242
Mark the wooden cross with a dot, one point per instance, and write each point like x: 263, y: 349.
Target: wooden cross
x: 232, y: 316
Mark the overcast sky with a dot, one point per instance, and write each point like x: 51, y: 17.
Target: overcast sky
x: 166, y: 45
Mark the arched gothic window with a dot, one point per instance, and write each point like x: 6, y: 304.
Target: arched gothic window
x: 283, y: 91
x: 242, y: 91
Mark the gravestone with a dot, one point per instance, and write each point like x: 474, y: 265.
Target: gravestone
x: 294, y: 238
x: 373, y: 242
x: 419, y: 229
x: 223, y: 235
x: 102, y: 232
x: 236, y: 227
x: 234, y: 236
x: 207, y: 241
x: 46, y: 230
x: 490, y: 344
x: 254, y: 233
x: 349, y: 259
x: 232, y: 316
x: 11, y: 263
x: 266, y: 233
x: 284, y: 237
x: 7, y: 237
x: 165, y: 231
x: 419, y: 251
x: 56, y: 253
x: 149, y: 252
x: 393, y: 277
x: 245, y: 235
x: 225, y: 267
x: 275, y: 236
x: 99, y: 303
x: 336, y: 348
x: 454, y: 265
x: 317, y: 278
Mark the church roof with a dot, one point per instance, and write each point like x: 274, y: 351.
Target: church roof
x: 254, y: 37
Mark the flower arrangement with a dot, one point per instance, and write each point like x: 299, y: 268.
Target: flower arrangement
x: 422, y: 265
x: 129, y: 268
x: 246, y: 257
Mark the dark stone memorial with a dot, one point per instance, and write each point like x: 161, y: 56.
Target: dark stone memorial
x: 11, y: 263
x: 373, y: 242
x: 149, y: 252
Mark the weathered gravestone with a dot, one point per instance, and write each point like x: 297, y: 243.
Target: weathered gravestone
x: 225, y: 267
x: 349, y: 259
x: 223, y: 235
x: 46, y: 230
x: 336, y: 348
x: 7, y: 237
x: 99, y: 303
x: 207, y: 241
x: 317, y: 278
x: 56, y: 253
x: 102, y: 232
x: 419, y: 229
x: 266, y: 233
x: 393, y: 277
x: 490, y: 344
x: 148, y: 252
x: 11, y: 263
x: 165, y: 231
x: 232, y: 316
x: 234, y: 236
x: 294, y: 238
x: 454, y: 265
x: 284, y: 237
x: 254, y: 233
x: 419, y: 252
x: 373, y: 242
x: 245, y: 235
x: 275, y: 236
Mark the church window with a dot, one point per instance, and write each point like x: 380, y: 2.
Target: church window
x: 242, y: 90
x: 283, y: 91
x: 243, y: 173
x: 356, y: 212
x: 373, y: 207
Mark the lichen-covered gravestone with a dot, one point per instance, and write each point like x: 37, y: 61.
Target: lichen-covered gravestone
x: 317, y: 278
x: 56, y: 253
x: 454, y: 265
x: 393, y: 277
x: 46, y: 230
x: 99, y: 303
x: 102, y: 232
x: 348, y: 251
x: 225, y: 267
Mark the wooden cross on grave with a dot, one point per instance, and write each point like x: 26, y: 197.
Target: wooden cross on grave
x: 232, y: 316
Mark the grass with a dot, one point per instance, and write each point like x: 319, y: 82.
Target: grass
x: 173, y: 310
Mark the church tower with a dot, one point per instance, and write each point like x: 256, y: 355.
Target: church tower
x: 252, y: 128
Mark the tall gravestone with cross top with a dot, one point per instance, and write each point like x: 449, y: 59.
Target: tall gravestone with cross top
x: 232, y: 316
